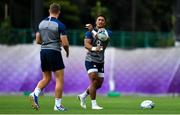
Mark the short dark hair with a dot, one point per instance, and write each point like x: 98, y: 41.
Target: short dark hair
x: 101, y: 16
x: 54, y: 8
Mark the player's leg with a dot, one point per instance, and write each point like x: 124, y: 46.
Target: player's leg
x: 45, y: 80
x: 40, y: 86
x: 99, y: 82
x: 57, y: 67
x: 84, y: 94
x: 96, y: 81
x: 59, y: 90
x: 95, y: 84
x: 59, y: 84
x: 100, y: 79
x: 82, y: 97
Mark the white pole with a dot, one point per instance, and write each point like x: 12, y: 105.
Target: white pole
x: 111, y: 71
x: 6, y: 11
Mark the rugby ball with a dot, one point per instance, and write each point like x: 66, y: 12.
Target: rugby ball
x: 147, y: 104
x: 102, y: 34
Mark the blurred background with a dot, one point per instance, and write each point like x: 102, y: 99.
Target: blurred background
x: 141, y: 58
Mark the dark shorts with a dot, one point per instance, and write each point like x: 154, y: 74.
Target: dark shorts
x: 94, y: 67
x: 51, y: 60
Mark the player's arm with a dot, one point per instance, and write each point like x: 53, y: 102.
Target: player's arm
x: 88, y: 46
x: 38, y: 38
x: 65, y: 44
x: 90, y: 29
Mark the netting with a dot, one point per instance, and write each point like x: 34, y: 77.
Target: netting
x: 150, y: 70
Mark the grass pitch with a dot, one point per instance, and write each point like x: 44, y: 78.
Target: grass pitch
x: 112, y: 105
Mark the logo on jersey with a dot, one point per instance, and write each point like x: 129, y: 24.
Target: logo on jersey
x: 98, y: 42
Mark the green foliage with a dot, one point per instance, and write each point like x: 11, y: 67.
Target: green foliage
x: 151, y: 15
x: 69, y: 12
x: 154, y: 15
x: 11, y: 36
x: 5, y: 31
x: 98, y: 9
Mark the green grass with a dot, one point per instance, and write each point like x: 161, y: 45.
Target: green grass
x: 112, y: 105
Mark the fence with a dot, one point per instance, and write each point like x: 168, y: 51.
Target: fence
x: 141, y: 70
x: 121, y: 39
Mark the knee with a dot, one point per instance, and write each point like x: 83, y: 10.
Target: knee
x: 93, y: 75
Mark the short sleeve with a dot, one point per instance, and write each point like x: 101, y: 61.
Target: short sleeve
x: 88, y: 35
x: 62, y: 29
x: 109, y: 33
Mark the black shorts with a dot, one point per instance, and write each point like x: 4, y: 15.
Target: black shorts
x: 94, y: 67
x: 51, y: 60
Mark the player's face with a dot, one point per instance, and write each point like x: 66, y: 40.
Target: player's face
x: 100, y: 22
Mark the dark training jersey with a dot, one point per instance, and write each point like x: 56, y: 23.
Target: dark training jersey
x: 50, y: 30
x: 93, y: 56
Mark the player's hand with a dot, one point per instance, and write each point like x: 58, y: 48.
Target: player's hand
x: 99, y: 48
x: 89, y: 27
x: 67, y: 54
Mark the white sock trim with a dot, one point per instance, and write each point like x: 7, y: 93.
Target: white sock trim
x: 94, y: 103
x: 84, y: 94
x: 37, y: 91
x: 58, y: 102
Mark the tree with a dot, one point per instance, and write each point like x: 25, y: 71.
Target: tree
x: 70, y: 12
x: 154, y: 15
x: 98, y: 9
x: 5, y: 31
